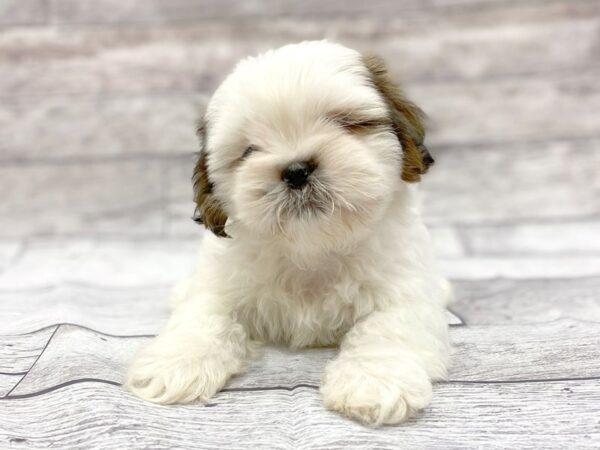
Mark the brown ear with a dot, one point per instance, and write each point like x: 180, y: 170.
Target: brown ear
x: 407, y: 120
x: 209, y: 210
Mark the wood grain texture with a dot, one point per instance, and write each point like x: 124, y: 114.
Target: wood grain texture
x: 135, y: 311
x: 9, y: 252
x: 8, y: 381
x: 48, y: 127
x: 570, y: 238
x: 125, y: 263
x: 140, y: 60
x: 116, y: 263
x: 487, y: 184
x: 548, y: 108
x: 98, y: 103
x: 19, y: 352
x: 61, y: 126
x: 159, y: 12
x: 555, y: 350
x: 519, y: 239
x: 180, y: 199
x: 63, y: 199
x: 121, y: 311
x: 509, y: 301
x: 22, y: 12
x: 554, y: 415
x: 79, y: 353
x: 523, y: 268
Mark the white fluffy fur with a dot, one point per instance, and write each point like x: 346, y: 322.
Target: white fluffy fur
x: 357, y: 271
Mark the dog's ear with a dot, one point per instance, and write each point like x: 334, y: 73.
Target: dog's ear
x: 407, y: 120
x: 209, y: 210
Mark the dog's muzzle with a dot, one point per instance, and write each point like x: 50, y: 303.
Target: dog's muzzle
x: 296, y: 174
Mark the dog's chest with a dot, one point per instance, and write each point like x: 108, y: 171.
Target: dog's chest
x: 300, y: 307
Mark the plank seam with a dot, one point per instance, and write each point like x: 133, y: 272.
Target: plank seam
x: 34, y: 363
x: 85, y: 328
x: 127, y: 336
x: 282, y: 388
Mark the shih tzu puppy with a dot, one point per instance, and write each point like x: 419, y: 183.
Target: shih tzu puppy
x: 305, y: 178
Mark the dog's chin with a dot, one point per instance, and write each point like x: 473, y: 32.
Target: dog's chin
x: 314, y: 219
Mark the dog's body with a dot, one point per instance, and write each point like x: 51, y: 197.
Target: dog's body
x: 308, y: 152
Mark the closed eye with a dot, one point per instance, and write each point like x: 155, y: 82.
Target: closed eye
x: 249, y: 150
x: 356, y: 123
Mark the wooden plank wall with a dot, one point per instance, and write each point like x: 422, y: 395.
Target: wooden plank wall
x: 98, y: 100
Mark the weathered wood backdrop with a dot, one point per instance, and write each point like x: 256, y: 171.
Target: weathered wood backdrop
x: 98, y: 100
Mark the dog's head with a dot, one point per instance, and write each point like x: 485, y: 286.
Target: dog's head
x: 307, y: 143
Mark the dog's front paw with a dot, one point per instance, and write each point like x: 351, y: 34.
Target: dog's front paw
x: 372, y: 394
x: 168, y: 377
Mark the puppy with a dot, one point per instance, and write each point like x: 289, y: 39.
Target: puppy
x: 304, y: 177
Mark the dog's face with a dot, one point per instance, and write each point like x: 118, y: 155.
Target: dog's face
x: 306, y: 144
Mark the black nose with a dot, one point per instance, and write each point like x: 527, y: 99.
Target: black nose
x: 296, y: 174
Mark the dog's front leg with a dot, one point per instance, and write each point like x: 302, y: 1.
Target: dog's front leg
x: 192, y: 359
x: 386, y: 364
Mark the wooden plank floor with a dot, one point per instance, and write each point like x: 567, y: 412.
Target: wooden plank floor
x: 98, y: 101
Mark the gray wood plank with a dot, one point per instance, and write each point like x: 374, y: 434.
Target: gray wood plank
x: 122, y: 311
x: 22, y: 12
x: 549, y: 108
x: 121, y: 263
x: 551, y: 238
x: 8, y: 381
x: 555, y: 415
x: 76, y: 353
x: 77, y: 198
x: 447, y: 242
x: 179, y: 198
x: 571, y: 238
x: 19, y: 352
x: 119, y: 311
x: 98, y: 126
x: 101, y: 61
x: 136, y: 311
x: 555, y: 350
x: 487, y: 184
x: 560, y: 349
x: 511, y: 110
x: 523, y: 268
x: 113, y: 263
x: 158, y: 12
x: 9, y: 252
x: 505, y: 301
x: 467, y: 50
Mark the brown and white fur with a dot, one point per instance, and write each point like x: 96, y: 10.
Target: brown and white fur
x: 345, y: 259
